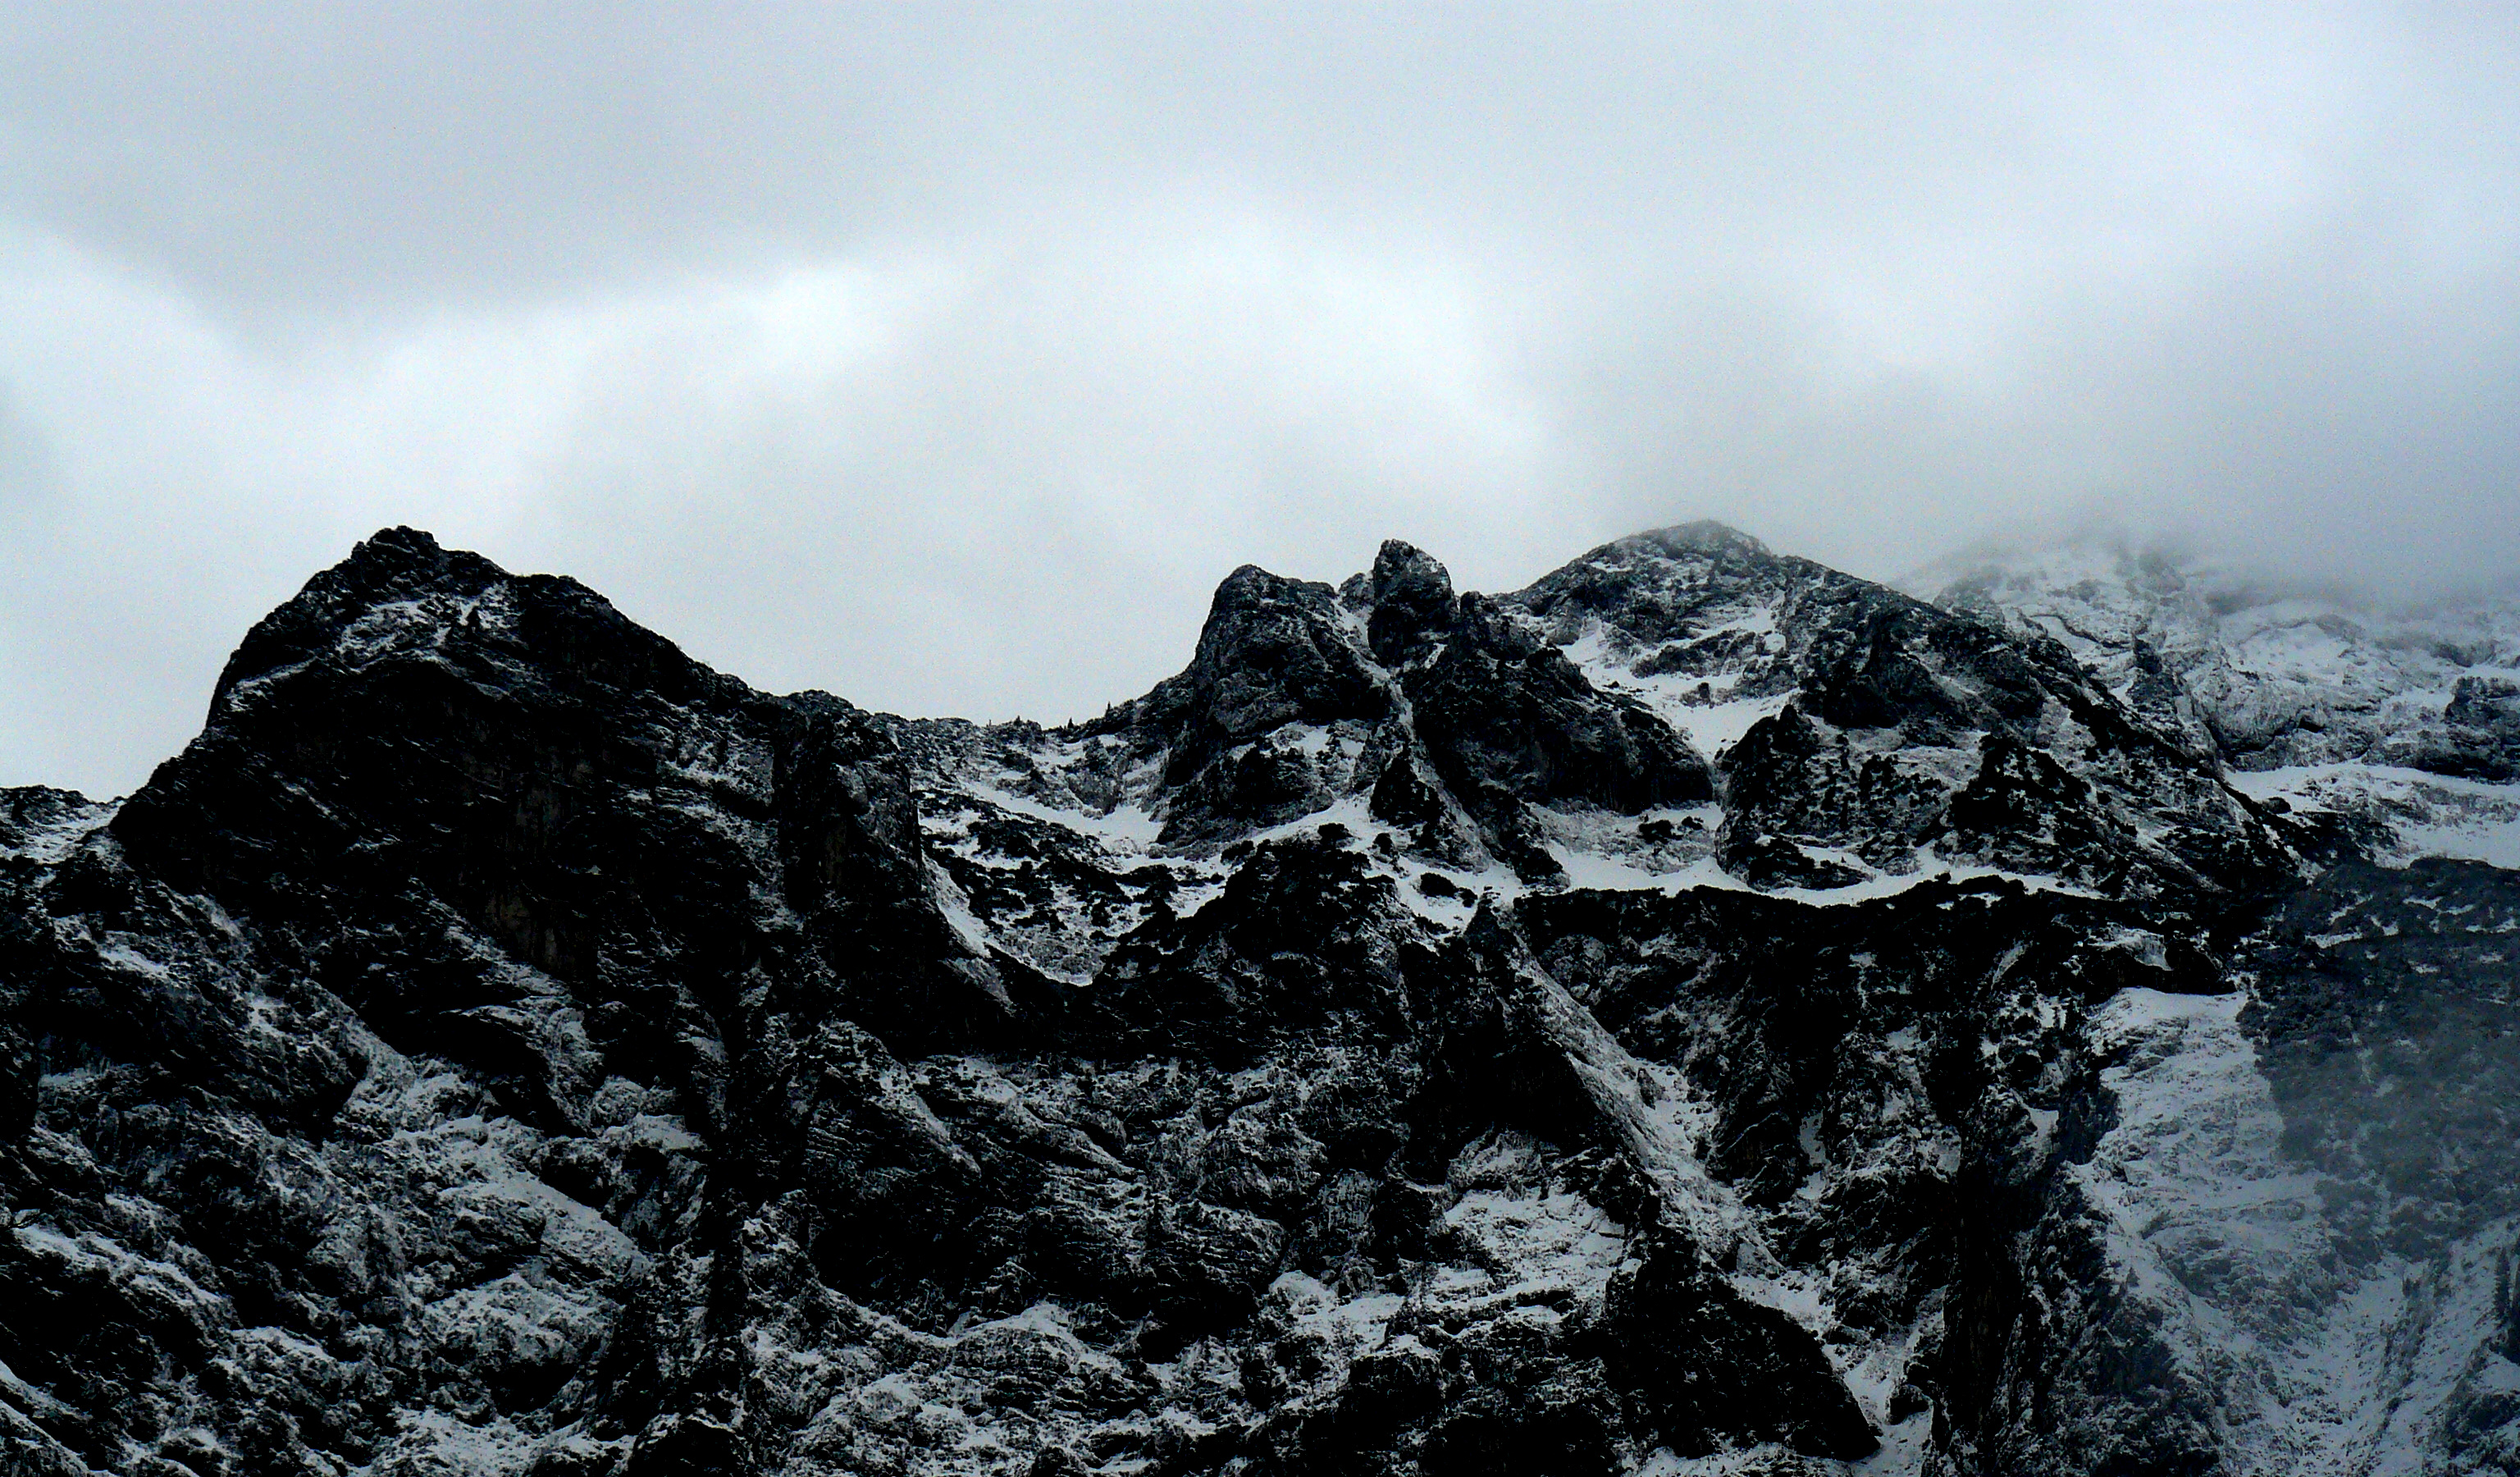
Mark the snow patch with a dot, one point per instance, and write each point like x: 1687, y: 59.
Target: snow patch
x: 2431, y: 814
x: 1700, y: 708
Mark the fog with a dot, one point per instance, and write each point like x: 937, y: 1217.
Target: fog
x: 946, y: 359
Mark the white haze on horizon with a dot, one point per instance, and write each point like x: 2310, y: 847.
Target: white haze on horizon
x: 946, y: 359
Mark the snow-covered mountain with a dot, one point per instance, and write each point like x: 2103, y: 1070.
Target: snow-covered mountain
x: 2402, y: 717
x: 1702, y: 1013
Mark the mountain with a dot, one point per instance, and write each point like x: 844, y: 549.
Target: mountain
x: 1702, y: 1013
x: 2386, y: 714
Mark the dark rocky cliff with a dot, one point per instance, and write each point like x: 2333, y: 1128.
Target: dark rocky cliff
x: 1702, y: 1013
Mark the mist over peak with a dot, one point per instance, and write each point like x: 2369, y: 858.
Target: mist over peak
x: 951, y: 359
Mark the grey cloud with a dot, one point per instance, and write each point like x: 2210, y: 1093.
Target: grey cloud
x: 946, y: 356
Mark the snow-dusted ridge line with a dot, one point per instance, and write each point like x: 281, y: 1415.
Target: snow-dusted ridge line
x: 1420, y: 1028
x: 2270, y: 679
x: 1129, y: 844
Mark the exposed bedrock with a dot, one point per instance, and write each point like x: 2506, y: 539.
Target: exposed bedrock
x: 1702, y: 1013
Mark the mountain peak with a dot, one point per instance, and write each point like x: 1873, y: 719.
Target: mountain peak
x: 1412, y: 599
x: 395, y: 564
x: 1704, y: 536
x: 1674, y: 1009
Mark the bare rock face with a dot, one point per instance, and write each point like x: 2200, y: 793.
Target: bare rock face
x: 1702, y: 1013
x: 2479, y: 737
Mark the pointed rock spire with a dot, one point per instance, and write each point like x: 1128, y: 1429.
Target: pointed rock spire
x: 1412, y: 602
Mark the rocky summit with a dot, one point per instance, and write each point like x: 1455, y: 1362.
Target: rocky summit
x: 1703, y: 1013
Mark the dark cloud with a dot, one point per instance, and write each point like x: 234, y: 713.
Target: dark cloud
x: 946, y: 356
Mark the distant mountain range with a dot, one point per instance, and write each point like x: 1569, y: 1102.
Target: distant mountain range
x: 1703, y: 1013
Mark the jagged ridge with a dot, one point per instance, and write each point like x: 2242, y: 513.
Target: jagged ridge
x: 1703, y: 1010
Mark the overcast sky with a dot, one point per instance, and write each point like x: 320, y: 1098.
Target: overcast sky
x: 946, y: 358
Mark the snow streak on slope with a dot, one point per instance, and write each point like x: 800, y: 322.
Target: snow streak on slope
x: 1710, y: 711
x: 2417, y: 814
x: 2321, y: 1363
